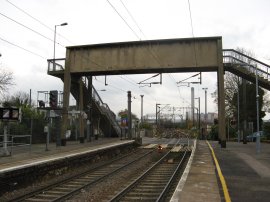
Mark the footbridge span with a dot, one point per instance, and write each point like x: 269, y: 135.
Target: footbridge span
x: 203, y: 54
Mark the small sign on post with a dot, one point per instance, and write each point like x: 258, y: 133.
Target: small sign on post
x: 9, y: 114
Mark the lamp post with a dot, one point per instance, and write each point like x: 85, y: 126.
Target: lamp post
x: 258, y: 139
x: 199, y: 117
x: 205, y: 115
x: 54, y: 41
x: 141, y: 108
x: 157, y: 113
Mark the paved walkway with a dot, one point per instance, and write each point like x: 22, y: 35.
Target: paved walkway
x: 247, y: 173
x: 26, y: 156
x: 201, y: 183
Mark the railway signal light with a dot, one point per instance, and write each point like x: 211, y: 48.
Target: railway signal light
x: 160, y: 148
x: 53, y: 98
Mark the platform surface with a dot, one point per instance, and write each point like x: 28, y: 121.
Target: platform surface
x: 201, y: 183
x: 247, y: 173
x: 28, y: 156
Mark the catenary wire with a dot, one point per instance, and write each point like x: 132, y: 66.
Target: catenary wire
x: 37, y: 20
x: 38, y: 33
x: 123, y: 19
x: 36, y: 54
x: 151, y: 52
x: 133, y: 19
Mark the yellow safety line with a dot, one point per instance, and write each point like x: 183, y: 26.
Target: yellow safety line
x: 221, y: 177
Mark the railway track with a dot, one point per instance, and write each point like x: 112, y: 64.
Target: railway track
x: 155, y: 183
x: 62, y: 190
x: 70, y: 187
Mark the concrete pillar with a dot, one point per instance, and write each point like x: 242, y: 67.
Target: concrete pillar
x: 221, y: 97
x: 66, y: 93
x: 81, y: 118
x: 90, y: 109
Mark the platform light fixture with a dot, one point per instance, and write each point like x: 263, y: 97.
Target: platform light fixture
x: 54, y: 41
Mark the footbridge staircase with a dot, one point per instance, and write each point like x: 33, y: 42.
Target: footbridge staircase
x: 245, y: 66
x: 103, y: 117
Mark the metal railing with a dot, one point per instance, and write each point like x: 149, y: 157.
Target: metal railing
x: 11, y: 143
x: 240, y: 60
x: 104, y: 108
x: 59, y: 64
x: 56, y: 65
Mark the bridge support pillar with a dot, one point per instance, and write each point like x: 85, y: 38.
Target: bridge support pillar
x: 81, y: 117
x: 66, y: 93
x: 221, y: 97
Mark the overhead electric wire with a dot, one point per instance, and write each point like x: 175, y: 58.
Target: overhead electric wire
x: 133, y: 19
x: 174, y: 81
x: 37, y: 20
x: 139, y: 38
x: 192, y: 31
x: 84, y: 58
x: 43, y: 24
x: 151, y: 52
x: 123, y: 19
x: 22, y: 48
x: 38, y: 33
x: 154, y: 56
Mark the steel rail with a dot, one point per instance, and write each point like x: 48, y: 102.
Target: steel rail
x: 46, y: 188
x: 168, y: 185
x: 122, y: 193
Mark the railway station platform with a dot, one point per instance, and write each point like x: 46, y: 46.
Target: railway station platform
x: 37, y: 155
x: 199, y: 181
x: 245, y: 174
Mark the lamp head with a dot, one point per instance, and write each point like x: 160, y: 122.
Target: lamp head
x: 64, y: 24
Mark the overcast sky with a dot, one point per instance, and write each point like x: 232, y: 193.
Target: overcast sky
x: 241, y: 23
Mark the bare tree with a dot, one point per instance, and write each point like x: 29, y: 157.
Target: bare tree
x: 19, y: 99
x: 6, y: 80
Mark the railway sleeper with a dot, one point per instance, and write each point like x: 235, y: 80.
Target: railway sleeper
x: 140, y: 198
x: 55, y: 192
x: 48, y: 195
x: 37, y: 200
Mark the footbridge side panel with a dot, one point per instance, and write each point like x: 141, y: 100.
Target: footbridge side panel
x: 170, y: 55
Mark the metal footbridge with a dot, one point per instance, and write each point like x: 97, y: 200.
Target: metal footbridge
x: 233, y: 61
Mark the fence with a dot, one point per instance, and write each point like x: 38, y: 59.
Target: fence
x: 10, y: 145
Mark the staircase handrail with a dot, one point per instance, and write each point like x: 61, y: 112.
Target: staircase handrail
x: 242, y: 54
x: 250, y: 67
x: 235, y: 57
x: 54, y: 65
x: 103, y: 107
